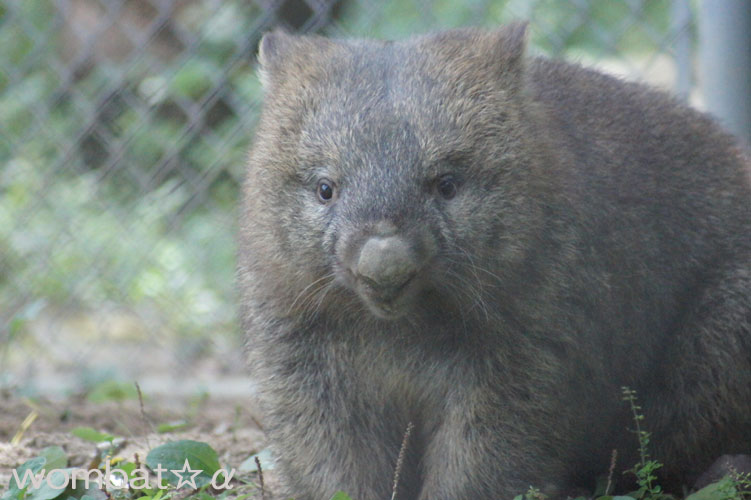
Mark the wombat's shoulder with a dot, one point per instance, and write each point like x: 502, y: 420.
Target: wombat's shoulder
x: 631, y: 134
x: 601, y: 104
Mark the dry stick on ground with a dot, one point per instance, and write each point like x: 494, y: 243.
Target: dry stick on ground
x: 260, y: 479
x: 25, y: 425
x: 613, y: 458
x: 400, y: 460
x: 144, y: 417
x: 256, y: 421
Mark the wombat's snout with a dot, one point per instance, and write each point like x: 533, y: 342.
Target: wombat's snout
x: 385, y: 265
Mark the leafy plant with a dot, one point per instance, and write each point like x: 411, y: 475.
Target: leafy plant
x: 51, y: 459
x: 340, y: 495
x: 532, y: 494
x: 734, y: 486
x: 177, y: 454
x: 645, y: 469
x: 91, y: 434
x: 127, y: 481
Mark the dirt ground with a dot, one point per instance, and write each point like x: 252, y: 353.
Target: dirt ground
x: 28, y: 426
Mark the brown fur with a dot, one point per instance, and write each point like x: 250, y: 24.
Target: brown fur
x: 599, y: 236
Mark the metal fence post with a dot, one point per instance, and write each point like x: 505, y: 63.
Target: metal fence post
x: 725, y: 62
x: 683, y: 51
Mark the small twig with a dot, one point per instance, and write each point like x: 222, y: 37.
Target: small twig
x: 144, y: 416
x: 236, y: 422
x: 256, y: 421
x: 104, y: 489
x: 25, y: 425
x: 613, y: 458
x: 260, y: 479
x: 400, y: 460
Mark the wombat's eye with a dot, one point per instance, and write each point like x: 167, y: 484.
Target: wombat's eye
x: 325, y: 191
x: 446, y: 186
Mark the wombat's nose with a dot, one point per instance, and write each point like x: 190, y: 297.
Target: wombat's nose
x: 386, y: 264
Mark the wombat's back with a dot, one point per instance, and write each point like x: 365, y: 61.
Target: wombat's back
x: 640, y: 144
x: 650, y: 176
x: 444, y: 232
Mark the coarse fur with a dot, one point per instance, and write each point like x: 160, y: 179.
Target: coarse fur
x: 589, y: 234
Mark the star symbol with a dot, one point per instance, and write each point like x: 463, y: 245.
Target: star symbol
x: 186, y: 470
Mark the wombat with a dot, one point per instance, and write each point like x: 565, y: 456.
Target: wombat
x: 447, y: 232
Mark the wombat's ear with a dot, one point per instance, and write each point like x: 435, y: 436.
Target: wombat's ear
x: 282, y: 55
x: 511, y: 44
x: 273, y: 49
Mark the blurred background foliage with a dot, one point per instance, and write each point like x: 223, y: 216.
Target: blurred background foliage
x: 124, y: 125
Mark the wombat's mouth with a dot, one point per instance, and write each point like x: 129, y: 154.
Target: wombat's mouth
x: 391, y: 303
x: 385, y: 268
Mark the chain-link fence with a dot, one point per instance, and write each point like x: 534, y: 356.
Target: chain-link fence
x: 123, y: 130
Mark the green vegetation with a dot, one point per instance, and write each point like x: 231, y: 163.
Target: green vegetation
x: 170, y: 468
x: 118, y: 177
x: 614, y: 28
x: 645, y: 469
x: 247, y: 479
x: 120, y: 166
x: 734, y: 486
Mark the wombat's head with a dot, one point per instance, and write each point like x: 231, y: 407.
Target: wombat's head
x: 387, y: 173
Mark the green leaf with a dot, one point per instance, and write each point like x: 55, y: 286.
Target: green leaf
x: 171, y: 456
x: 55, y: 458
x: 340, y: 495
x: 15, y: 490
x: 92, y: 435
x: 112, y: 390
x: 264, y: 456
x: 192, y: 80
x: 172, y: 426
x: 720, y: 490
x: 201, y: 496
x: 48, y: 492
x: 82, y: 493
x: 155, y: 496
x: 16, y: 327
x: 50, y: 459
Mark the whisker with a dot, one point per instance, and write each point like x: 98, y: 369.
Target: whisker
x: 302, y: 295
